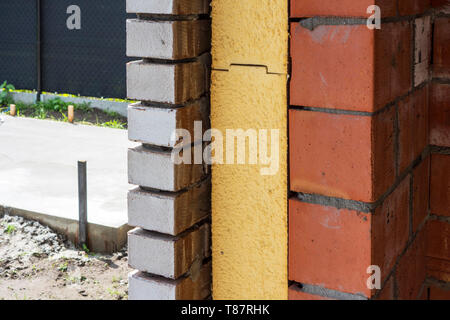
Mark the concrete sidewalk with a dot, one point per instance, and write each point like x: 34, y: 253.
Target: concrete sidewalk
x: 38, y: 176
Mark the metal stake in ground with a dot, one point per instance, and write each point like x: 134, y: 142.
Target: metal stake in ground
x: 82, y: 203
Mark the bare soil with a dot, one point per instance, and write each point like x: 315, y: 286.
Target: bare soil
x: 38, y: 264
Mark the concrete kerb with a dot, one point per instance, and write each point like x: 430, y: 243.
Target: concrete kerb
x: 101, y: 239
x: 102, y: 104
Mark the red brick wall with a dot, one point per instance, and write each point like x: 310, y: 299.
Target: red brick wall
x: 438, y: 227
x: 365, y: 105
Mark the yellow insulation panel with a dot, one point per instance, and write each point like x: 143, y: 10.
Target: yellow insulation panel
x: 250, y: 32
x: 249, y: 205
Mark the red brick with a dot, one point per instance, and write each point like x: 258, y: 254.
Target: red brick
x: 412, y: 7
x: 296, y: 294
x: 413, y: 127
x: 421, y: 192
x: 350, y: 67
x: 332, y: 67
x: 422, y: 49
x: 343, y: 8
x: 438, y: 3
x: 329, y: 247
x: 438, y: 252
x: 441, y: 5
x: 393, y: 59
x: 438, y: 244
x: 390, y: 228
x: 323, y: 238
x: 345, y: 156
x: 441, y: 50
x: 437, y: 293
x: 438, y: 269
x: 440, y: 115
x: 388, y: 293
x: 423, y: 293
x: 440, y: 185
x: 411, y: 273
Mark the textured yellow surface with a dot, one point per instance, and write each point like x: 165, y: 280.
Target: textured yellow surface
x: 249, y: 224
x: 250, y: 32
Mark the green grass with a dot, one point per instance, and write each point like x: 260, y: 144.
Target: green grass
x: 5, y: 93
x: 10, y: 229
x: 85, y: 248
x: 113, y: 124
x: 67, y: 95
x: 56, y: 109
x: 63, y: 267
x: 57, y: 105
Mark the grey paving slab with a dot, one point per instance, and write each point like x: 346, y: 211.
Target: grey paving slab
x: 38, y: 169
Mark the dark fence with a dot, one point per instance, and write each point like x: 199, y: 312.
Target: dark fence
x: 89, y: 61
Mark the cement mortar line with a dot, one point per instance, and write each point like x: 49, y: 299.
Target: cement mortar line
x: 164, y: 105
x: 180, y: 278
x: 172, y: 17
x: 441, y: 80
x: 205, y: 58
x: 438, y: 217
x: 409, y: 243
x: 169, y: 150
x: 439, y: 150
x: 355, y: 205
x: 363, y: 113
x: 192, y: 228
x: 422, y: 288
x: 311, y: 23
x: 163, y: 192
x: 442, y: 14
x: 397, y: 142
x: 411, y: 206
x: 326, y: 293
x: 413, y: 54
x: 438, y: 283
